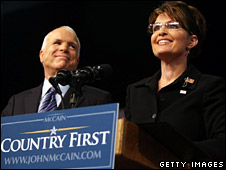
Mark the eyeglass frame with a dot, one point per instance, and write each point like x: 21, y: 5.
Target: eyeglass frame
x: 151, y: 26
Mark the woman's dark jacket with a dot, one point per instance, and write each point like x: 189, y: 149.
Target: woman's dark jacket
x: 194, y: 107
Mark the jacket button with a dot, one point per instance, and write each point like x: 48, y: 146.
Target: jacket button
x: 154, y: 116
x: 163, y: 98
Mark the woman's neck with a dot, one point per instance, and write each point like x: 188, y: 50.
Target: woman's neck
x: 170, y: 72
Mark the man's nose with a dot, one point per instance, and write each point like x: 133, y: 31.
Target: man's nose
x: 64, y: 47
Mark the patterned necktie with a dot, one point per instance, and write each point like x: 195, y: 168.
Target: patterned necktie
x: 49, y: 102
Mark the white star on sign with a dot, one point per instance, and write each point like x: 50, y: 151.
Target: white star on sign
x: 53, y: 131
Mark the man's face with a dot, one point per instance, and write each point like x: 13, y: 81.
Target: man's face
x: 60, y: 52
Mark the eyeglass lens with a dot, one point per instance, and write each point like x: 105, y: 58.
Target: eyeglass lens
x: 157, y: 26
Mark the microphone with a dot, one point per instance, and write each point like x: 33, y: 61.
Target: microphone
x: 102, y: 71
x: 82, y: 76
x: 54, y: 82
x: 78, y: 78
x: 89, y: 74
x: 63, y: 77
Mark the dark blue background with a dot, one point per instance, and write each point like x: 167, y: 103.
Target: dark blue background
x: 112, y: 32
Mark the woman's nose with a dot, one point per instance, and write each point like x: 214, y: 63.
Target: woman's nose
x: 162, y: 31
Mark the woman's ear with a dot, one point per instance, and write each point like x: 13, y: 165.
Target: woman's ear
x: 192, y: 42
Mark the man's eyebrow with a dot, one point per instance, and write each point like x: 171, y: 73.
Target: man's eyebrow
x: 57, y: 40
x: 70, y: 42
x: 73, y: 42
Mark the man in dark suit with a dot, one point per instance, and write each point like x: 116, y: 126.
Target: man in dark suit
x: 60, y: 50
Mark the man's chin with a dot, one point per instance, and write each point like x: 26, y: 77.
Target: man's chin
x: 70, y: 68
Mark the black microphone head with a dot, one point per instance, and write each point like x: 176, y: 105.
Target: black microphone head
x: 63, y: 77
x: 88, y: 74
x: 103, y: 70
x: 53, y: 81
x: 85, y: 75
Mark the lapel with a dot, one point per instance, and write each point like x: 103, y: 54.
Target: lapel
x: 32, y: 99
x: 191, y: 72
x: 151, y: 82
x: 147, y: 88
x: 190, y: 78
x: 67, y: 98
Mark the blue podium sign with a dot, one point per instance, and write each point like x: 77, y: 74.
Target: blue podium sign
x: 72, y: 138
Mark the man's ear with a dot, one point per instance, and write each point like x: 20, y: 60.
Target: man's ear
x: 193, y: 42
x: 41, y: 54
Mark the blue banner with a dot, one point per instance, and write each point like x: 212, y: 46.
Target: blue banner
x: 72, y: 138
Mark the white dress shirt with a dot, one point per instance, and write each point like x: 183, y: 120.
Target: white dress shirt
x: 46, y: 86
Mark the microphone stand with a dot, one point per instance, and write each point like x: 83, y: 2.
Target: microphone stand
x: 62, y: 101
x: 75, y: 96
x: 72, y: 99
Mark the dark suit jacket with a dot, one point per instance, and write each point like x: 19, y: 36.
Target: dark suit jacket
x: 28, y: 101
x: 199, y: 114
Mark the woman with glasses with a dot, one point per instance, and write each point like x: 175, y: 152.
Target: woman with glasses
x: 179, y: 94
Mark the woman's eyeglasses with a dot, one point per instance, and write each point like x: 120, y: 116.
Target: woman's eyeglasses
x: 152, y: 28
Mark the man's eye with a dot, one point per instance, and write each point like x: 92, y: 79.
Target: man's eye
x: 57, y: 42
x: 73, y: 46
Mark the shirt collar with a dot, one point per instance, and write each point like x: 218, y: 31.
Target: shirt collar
x: 190, y: 72
x: 47, y: 85
x: 64, y: 89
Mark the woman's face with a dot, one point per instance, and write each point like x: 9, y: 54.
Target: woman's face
x: 170, y: 43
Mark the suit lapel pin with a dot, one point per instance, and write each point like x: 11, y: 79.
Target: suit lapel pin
x: 183, y: 92
x: 188, y: 80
